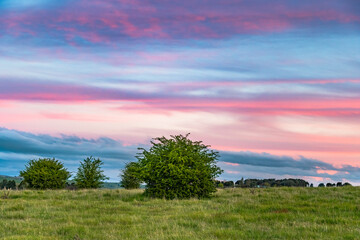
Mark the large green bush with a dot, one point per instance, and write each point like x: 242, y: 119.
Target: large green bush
x: 178, y: 168
x: 89, y: 174
x: 130, y: 176
x: 45, y: 173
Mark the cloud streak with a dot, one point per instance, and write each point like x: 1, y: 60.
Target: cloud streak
x: 17, y: 147
x: 101, y: 22
x: 214, y: 96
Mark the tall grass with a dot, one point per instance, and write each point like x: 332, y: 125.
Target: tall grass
x: 274, y: 213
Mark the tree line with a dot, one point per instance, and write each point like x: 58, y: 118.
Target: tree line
x: 174, y: 167
x: 338, y: 184
x: 272, y: 182
x: 8, y: 184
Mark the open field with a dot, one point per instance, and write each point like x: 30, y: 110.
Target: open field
x: 274, y: 213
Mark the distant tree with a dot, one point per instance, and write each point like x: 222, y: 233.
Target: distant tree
x: 239, y: 183
x: 45, y: 173
x: 330, y: 185
x: 347, y: 184
x: 23, y: 185
x: 89, y: 174
x: 130, y: 176
x: 3, y: 184
x: 321, y: 185
x: 219, y: 184
x: 177, y: 167
x: 311, y: 185
x: 339, y: 184
x: 11, y: 185
x: 228, y: 184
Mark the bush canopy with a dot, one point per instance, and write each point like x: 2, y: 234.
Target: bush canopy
x: 45, y: 173
x: 89, y: 174
x: 178, y: 168
x: 130, y: 176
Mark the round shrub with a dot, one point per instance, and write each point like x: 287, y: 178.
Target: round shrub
x: 45, y: 173
x: 178, y: 168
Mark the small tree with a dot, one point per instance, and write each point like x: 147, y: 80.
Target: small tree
x: 178, y: 168
x: 228, y: 184
x: 11, y: 184
x: 130, y: 176
x: 321, y: 185
x: 89, y: 174
x: 4, y: 184
x: 45, y: 173
x: 23, y: 185
x: 239, y: 183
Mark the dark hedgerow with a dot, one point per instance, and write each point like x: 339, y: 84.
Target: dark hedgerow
x: 178, y: 168
x: 45, y: 173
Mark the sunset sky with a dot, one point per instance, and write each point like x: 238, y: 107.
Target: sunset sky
x: 274, y: 86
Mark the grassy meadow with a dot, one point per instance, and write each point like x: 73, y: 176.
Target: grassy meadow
x: 273, y: 213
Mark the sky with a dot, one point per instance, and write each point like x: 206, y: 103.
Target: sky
x: 274, y: 86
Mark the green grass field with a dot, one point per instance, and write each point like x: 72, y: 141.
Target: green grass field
x: 274, y: 213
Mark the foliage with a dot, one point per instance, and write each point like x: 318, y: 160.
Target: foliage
x: 16, y: 179
x: 178, y: 168
x: 252, y: 183
x: 45, y: 173
x: 130, y: 176
x: 8, y: 184
x: 321, y: 185
x: 224, y: 184
x: 89, y: 174
x: 23, y: 185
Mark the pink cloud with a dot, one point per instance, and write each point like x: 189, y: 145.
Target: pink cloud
x: 330, y: 172
x: 231, y: 164
x: 160, y: 99
x: 73, y: 117
x: 105, y: 22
